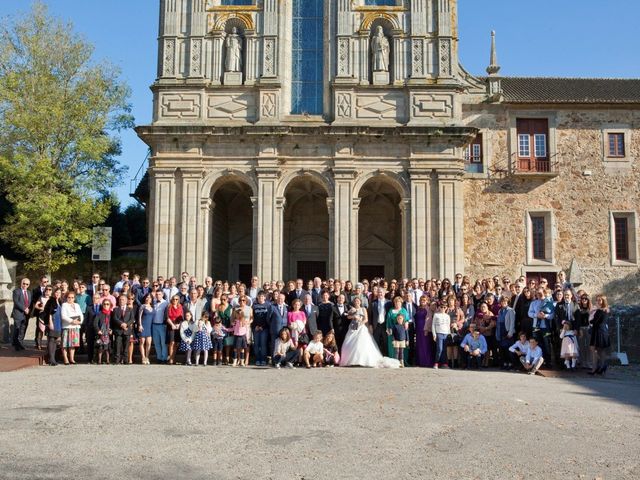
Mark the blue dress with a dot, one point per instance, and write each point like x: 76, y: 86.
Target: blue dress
x: 184, y: 346
x: 202, y: 341
x: 147, y: 320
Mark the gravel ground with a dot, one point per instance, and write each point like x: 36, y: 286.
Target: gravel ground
x: 148, y: 422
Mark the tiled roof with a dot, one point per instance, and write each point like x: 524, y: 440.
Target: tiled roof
x: 570, y: 90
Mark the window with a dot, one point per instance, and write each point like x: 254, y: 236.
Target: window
x: 616, y: 145
x: 532, y: 137
x: 307, y: 57
x: 538, y: 237
x: 380, y: 3
x: 236, y: 2
x: 473, y: 156
x: 623, y: 238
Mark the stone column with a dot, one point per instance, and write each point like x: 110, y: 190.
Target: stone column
x: 216, y: 62
x: 203, y: 247
x: 251, y: 64
x: 332, y: 222
x: 421, y: 215
x: 254, y: 237
x: 345, y: 223
x: 450, y: 223
x: 189, y: 223
x: 364, y: 58
x: 407, y: 234
x: 398, y: 58
x: 269, y: 235
x: 162, y: 223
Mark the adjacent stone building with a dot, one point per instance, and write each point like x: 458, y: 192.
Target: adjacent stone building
x: 343, y: 138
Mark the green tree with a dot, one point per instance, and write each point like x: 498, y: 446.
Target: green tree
x: 59, y: 116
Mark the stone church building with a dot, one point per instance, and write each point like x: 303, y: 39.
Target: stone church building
x: 342, y: 138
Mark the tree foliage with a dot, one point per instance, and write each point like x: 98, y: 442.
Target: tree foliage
x: 59, y: 115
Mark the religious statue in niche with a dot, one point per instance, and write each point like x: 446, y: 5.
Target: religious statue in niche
x: 380, y: 57
x: 233, y: 58
x: 233, y: 47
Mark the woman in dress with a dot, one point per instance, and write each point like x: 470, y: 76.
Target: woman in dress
x: 391, y: 320
x: 224, y: 313
x: 40, y: 315
x: 71, y: 317
x: 457, y: 323
x: 297, y: 323
x: 581, y: 320
x: 424, y: 340
x: 175, y: 315
x: 215, y: 300
x: 359, y: 348
x: 145, y: 319
x: 599, y: 341
x: 54, y: 324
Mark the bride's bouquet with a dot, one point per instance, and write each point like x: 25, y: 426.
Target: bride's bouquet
x: 356, y: 318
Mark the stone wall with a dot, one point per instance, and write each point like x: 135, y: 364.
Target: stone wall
x: 580, y: 198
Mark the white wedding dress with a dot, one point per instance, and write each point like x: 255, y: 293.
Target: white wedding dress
x: 359, y: 349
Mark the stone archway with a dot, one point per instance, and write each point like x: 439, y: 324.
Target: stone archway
x: 232, y: 231
x: 306, y: 229
x: 380, y: 229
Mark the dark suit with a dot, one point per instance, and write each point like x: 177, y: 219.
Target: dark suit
x: 565, y: 312
x: 340, y: 324
x: 121, y: 335
x: 312, y: 319
x: 90, y: 329
x: 379, y: 330
x: 19, y: 315
x: 326, y: 317
x: 316, y: 296
x: 293, y: 294
x: 276, y: 323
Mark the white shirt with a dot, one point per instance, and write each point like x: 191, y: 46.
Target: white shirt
x: 315, y: 347
x: 523, y: 347
x: 381, y: 312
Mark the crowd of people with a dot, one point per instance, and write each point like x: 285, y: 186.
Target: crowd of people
x: 493, y: 322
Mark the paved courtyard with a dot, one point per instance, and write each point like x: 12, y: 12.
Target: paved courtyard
x: 215, y: 422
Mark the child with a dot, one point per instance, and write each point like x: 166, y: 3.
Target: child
x: 103, y: 329
x: 533, y: 360
x: 474, y: 348
x: 239, y: 330
x: 217, y: 340
x: 519, y: 349
x: 285, y: 350
x: 202, y: 339
x: 400, y: 338
x: 331, y: 355
x: 187, y: 332
x: 569, y: 350
x: 313, y: 352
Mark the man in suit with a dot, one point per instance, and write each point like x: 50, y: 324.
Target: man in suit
x: 341, y: 321
x: 38, y: 291
x: 416, y: 291
x: 411, y: 308
x: 89, y: 325
x: 277, y: 321
x: 311, y: 311
x: 93, y: 287
x: 20, y: 313
x: 518, y: 303
x: 298, y: 292
x: 143, y: 290
x: 378, y: 309
x: 123, y: 323
x: 326, y: 314
x: 316, y: 291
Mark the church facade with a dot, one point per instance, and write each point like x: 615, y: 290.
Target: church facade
x: 342, y: 138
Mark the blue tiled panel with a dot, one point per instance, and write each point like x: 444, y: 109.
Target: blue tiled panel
x: 390, y: 3
x: 236, y: 2
x: 307, y: 57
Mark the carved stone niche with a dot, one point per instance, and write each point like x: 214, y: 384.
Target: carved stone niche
x: 381, y: 57
x: 234, y: 52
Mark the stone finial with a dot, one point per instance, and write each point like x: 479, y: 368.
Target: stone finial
x: 575, y: 274
x: 494, y: 82
x: 493, y: 67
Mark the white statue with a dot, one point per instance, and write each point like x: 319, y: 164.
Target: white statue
x: 233, y: 49
x: 380, y: 51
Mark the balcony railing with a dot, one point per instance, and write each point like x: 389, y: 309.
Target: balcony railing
x: 540, y: 167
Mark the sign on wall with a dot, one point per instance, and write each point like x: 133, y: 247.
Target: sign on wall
x: 101, y: 248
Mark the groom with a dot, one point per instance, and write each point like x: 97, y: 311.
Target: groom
x: 378, y: 309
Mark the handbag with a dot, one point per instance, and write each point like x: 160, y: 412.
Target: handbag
x: 303, y: 338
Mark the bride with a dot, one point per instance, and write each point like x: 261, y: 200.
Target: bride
x: 359, y: 348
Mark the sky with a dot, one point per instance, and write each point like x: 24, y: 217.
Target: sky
x: 570, y: 38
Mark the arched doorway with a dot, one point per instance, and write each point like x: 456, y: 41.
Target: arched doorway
x: 305, y: 230
x: 379, y: 230
x: 232, y: 231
